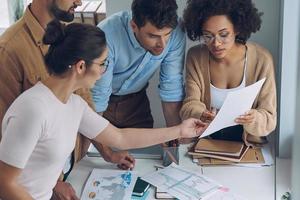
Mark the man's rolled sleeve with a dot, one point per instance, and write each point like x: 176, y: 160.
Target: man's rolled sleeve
x: 172, y: 89
x: 171, y: 86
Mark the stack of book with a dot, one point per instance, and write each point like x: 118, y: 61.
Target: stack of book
x: 220, y: 152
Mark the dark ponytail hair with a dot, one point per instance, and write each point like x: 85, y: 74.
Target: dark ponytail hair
x: 71, y: 43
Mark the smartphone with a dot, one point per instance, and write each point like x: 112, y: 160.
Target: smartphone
x: 140, y: 187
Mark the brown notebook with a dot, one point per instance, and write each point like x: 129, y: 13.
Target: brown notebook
x: 251, y: 156
x: 223, y: 157
x: 220, y: 147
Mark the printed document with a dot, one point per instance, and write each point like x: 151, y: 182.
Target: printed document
x: 236, y: 103
x: 181, y: 183
x: 109, y: 185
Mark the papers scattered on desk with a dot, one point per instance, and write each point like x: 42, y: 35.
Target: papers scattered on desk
x: 181, y: 183
x: 109, y: 185
x: 241, y: 100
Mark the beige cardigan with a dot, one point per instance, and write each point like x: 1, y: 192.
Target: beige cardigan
x: 260, y: 65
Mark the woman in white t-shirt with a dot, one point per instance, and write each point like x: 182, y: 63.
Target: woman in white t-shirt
x: 34, y: 145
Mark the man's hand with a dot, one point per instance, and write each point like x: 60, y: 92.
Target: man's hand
x: 63, y: 191
x: 123, y: 159
x: 192, y: 128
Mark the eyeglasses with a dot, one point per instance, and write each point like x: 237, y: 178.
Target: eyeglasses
x: 103, y: 65
x: 222, y: 37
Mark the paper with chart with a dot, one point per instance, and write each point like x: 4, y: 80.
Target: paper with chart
x: 236, y: 103
x: 109, y: 185
x: 181, y: 183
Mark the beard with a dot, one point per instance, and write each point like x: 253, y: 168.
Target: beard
x: 60, y: 14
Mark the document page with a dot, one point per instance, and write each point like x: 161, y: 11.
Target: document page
x: 109, y: 185
x: 181, y: 183
x: 236, y: 103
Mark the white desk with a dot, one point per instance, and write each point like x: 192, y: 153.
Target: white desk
x: 251, y: 183
x: 283, y: 176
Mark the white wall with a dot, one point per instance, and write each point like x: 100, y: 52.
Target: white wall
x: 289, y: 64
x: 4, y: 19
x: 295, y: 17
x: 268, y: 37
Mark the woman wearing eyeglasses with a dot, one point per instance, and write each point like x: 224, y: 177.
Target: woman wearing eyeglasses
x: 34, y: 146
x: 223, y: 62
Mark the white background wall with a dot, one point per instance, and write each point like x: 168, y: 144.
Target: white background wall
x: 268, y: 37
x: 291, y: 39
x: 4, y: 19
x: 289, y: 62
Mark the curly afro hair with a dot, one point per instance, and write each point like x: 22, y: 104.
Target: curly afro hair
x: 242, y: 13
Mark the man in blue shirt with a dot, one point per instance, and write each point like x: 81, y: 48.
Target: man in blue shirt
x: 140, y: 42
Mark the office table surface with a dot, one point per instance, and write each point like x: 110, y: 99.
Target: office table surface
x: 283, y: 176
x: 250, y: 183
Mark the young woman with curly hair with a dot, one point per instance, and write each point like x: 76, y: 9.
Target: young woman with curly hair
x: 224, y: 61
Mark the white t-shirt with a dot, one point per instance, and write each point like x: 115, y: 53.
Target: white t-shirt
x: 219, y: 95
x: 39, y: 133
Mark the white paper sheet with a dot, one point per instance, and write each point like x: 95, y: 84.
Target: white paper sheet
x: 105, y: 184
x: 181, y: 183
x: 236, y: 103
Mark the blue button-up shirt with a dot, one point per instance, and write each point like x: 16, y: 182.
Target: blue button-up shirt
x: 131, y: 66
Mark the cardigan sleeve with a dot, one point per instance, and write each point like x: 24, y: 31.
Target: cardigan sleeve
x: 265, y: 104
x: 193, y: 105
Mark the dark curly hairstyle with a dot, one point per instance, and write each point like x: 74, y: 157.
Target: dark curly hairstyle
x: 160, y: 13
x: 242, y: 13
x: 71, y: 43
